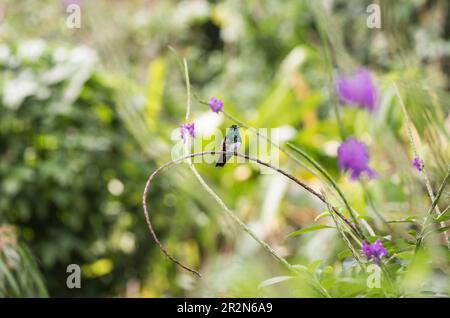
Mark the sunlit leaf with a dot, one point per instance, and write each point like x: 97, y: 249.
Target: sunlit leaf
x: 409, y: 219
x: 274, y: 280
x: 311, y: 229
x: 445, y: 215
x: 155, y: 90
x: 322, y: 215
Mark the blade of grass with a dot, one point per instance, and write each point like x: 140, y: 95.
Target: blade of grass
x: 429, y: 214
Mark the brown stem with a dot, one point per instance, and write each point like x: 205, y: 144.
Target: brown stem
x: 166, y: 165
x: 303, y: 185
x: 149, y: 223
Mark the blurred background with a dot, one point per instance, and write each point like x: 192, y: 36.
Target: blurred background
x: 86, y: 114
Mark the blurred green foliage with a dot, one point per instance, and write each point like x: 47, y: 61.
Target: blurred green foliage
x: 19, y: 274
x: 87, y: 114
x: 65, y: 159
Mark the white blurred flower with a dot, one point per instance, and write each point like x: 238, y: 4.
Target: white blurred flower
x: 75, y: 65
x: 83, y: 60
x: 188, y: 11
x: 16, y: 90
x: 60, y: 55
x: 83, y: 55
x: 207, y: 124
x: 31, y: 50
x: 286, y: 133
x: 331, y: 148
x: 231, y: 22
x: 5, y: 53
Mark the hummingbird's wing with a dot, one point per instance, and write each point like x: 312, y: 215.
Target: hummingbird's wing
x: 223, y: 157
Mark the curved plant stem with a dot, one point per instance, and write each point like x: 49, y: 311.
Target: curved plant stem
x: 229, y: 212
x: 149, y: 223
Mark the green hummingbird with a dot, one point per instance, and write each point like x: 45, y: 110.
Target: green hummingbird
x: 230, y: 145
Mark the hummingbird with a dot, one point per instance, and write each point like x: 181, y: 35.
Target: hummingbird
x: 230, y: 145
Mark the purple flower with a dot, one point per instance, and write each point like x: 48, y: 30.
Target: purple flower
x: 374, y: 252
x: 354, y: 157
x: 215, y: 104
x: 187, y: 129
x: 417, y: 163
x: 357, y: 89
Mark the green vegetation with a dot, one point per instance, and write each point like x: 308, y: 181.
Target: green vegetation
x: 88, y: 114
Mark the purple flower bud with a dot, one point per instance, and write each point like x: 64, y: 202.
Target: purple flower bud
x: 417, y: 163
x: 357, y: 89
x: 216, y: 105
x: 374, y: 252
x: 367, y: 249
x: 354, y: 157
x: 187, y: 129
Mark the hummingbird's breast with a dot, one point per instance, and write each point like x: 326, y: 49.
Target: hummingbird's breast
x: 234, y: 146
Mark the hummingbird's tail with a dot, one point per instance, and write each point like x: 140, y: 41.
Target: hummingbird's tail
x: 222, y: 160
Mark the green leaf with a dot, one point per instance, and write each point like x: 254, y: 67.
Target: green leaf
x: 281, y: 95
x: 6, y: 273
x: 314, y: 265
x: 322, y: 215
x: 434, y: 230
x: 445, y: 215
x: 155, y: 90
x: 345, y: 254
x: 409, y: 219
x: 405, y: 255
x: 368, y: 218
x: 443, y: 229
x: 311, y: 229
x: 273, y: 281
x: 31, y: 266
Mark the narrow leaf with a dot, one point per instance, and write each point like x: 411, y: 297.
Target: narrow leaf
x: 310, y: 229
x: 445, y: 215
x: 322, y: 215
x: 273, y: 281
x: 409, y: 219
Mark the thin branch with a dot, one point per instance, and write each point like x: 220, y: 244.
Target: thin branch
x: 333, y: 183
x: 229, y: 212
x: 149, y: 223
x: 310, y: 160
x: 303, y: 185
